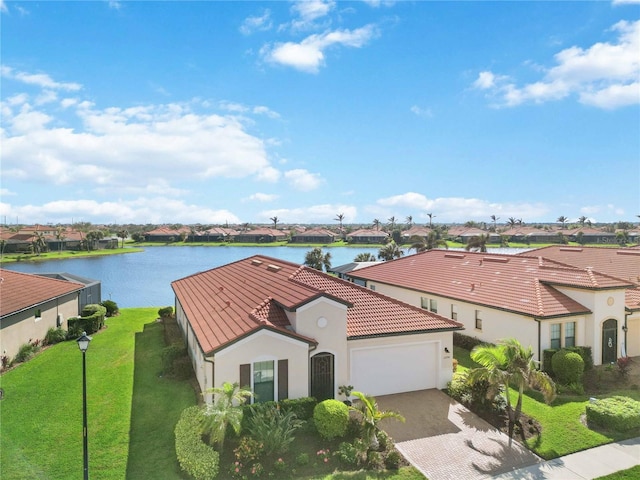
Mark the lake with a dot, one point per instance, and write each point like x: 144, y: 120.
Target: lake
x: 144, y: 279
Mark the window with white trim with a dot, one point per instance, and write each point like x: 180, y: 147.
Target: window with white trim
x: 570, y: 334
x: 424, y: 303
x: 433, y: 305
x: 264, y: 381
x: 478, y: 320
x: 454, y: 312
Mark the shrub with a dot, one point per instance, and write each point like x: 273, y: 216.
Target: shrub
x: 25, y: 352
x: 55, y: 335
x: 6, y: 361
x: 274, y: 429
x: 165, y: 312
x: 616, y: 413
x: 302, y: 459
x: 301, y: 407
x: 568, y: 366
x: 347, y: 454
x: 112, y: 307
x: 624, y: 364
x: 169, y: 357
x: 92, y: 309
x: 375, y: 460
x: 468, y: 393
x: 546, y: 360
x: 331, y: 418
x: 466, y: 342
x: 247, y: 454
x: 194, y: 456
x: 393, y: 460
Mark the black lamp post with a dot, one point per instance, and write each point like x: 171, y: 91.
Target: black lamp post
x: 83, y: 344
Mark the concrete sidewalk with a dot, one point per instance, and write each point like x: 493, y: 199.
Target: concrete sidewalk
x: 584, y: 465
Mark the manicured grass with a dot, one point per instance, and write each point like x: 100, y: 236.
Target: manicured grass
x: 42, y: 407
x: 406, y: 473
x: 29, y: 257
x: 632, y: 473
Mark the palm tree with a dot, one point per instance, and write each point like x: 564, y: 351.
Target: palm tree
x: 390, y: 251
x: 275, y: 222
x: 409, y: 221
x: 582, y: 220
x: 495, y: 219
x: 563, y: 220
x: 431, y: 217
x: 512, y: 222
x: 376, y: 223
x: 367, y: 407
x: 477, y: 243
x: 392, y: 223
x: 60, y: 236
x: 431, y: 241
x: 225, y: 411
x: 510, y: 365
x: 38, y: 243
x: 123, y: 234
x: 520, y: 222
x: 365, y: 257
x: 340, y: 218
x: 317, y: 260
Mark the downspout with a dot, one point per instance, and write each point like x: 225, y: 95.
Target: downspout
x: 206, y: 359
x: 625, y: 328
x: 539, y: 338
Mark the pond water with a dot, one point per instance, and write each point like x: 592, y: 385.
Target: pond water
x: 144, y: 279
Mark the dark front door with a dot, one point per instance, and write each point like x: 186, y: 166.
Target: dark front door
x: 322, y: 376
x: 610, y: 341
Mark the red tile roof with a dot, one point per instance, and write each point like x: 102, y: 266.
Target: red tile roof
x: 19, y: 291
x: 622, y: 263
x: 229, y: 302
x: 522, y: 284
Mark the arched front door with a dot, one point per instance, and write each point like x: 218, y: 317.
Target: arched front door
x: 610, y: 341
x: 322, y: 376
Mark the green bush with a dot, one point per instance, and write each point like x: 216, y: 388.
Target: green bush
x: 111, y: 306
x: 170, y: 356
x: 165, y: 312
x: 347, y: 454
x: 274, y: 429
x: 331, y: 418
x: 393, y: 459
x: 194, y: 456
x: 25, y: 352
x: 568, y: 366
x: 302, y: 407
x: 470, y: 394
x: 546, y: 360
x: 466, y: 342
x: 616, y: 413
x: 92, y: 309
x: 78, y: 325
x: 55, y: 335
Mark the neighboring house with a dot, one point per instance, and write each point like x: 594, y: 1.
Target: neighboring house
x: 541, y: 302
x: 216, y: 234
x: 342, y: 271
x: 464, y: 234
x: 367, y: 236
x: 91, y: 292
x: 167, y: 234
x: 261, y: 235
x: 315, y: 235
x: 591, y: 235
x: 415, y: 231
x: 622, y: 263
x: 289, y: 331
x: 31, y: 305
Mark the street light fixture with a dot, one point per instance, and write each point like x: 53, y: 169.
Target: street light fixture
x: 83, y: 345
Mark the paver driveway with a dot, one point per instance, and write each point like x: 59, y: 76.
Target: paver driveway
x: 444, y: 440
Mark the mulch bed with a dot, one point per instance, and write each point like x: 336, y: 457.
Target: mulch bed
x: 531, y: 427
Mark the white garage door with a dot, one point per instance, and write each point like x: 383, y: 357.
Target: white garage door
x: 383, y: 370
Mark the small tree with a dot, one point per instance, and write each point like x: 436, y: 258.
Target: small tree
x: 367, y: 407
x: 226, y: 410
x: 317, y: 259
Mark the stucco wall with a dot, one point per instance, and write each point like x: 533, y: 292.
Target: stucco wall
x: 18, y: 329
x: 262, y: 346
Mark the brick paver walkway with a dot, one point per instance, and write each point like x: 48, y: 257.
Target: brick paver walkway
x: 444, y: 440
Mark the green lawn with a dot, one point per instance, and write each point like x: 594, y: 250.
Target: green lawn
x: 562, y: 429
x: 131, y: 411
x: 629, y: 474
x: 32, y: 257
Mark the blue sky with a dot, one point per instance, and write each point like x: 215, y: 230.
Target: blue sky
x: 215, y: 112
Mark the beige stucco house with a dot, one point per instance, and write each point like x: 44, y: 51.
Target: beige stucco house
x: 288, y: 331
x: 32, y: 304
x: 541, y: 302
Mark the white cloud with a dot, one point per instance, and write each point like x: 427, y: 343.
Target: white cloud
x: 38, y: 79
x: 262, y: 197
x: 421, y: 112
x: 6, y: 192
x: 454, y: 209
x: 259, y: 23
x: 3, y: 7
x: 115, y: 4
x: 324, y: 213
x: 604, y: 75
x: 142, y: 210
x: 308, y: 55
x: 625, y: 2
x: 303, y: 180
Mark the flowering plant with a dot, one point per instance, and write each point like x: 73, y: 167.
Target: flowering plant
x: 323, y: 455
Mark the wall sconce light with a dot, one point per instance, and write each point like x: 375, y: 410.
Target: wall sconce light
x: 446, y: 350
x: 625, y: 328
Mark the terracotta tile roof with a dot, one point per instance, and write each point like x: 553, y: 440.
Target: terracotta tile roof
x: 19, y: 291
x: 622, y: 263
x: 231, y: 301
x: 522, y: 284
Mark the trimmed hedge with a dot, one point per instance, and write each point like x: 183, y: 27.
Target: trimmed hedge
x: 91, y: 320
x: 194, y: 456
x: 302, y: 407
x: 616, y: 413
x: 467, y: 342
x: 568, y: 366
x: 331, y: 418
x: 583, y: 351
